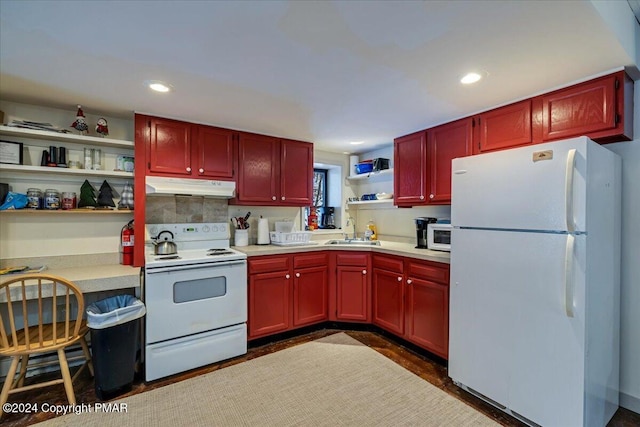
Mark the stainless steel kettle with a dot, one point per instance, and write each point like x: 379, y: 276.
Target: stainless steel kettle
x: 166, y: 246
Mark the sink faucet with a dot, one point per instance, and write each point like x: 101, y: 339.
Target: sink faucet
x: 352, y: 222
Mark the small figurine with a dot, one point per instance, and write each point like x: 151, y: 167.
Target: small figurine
x: 80, y: 124
x: 101, y: 127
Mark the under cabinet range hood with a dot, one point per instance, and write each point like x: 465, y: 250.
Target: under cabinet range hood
x: 190, y: 187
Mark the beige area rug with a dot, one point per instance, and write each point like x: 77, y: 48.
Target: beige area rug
x: 333, y: 381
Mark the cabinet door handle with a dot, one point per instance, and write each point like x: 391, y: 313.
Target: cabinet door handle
x: 189, y: 170
x: 282, y: 197
x: 297, y: 274
x: 431, y: 196
x: 408, y: 281
x: 399, y: 279
x: 287, y: 276
x: 421, y: 197
x: 273, y: 197
x: 364, y: 271
x: 201, y: 170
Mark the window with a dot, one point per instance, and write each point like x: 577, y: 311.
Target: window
x: 319, y: 187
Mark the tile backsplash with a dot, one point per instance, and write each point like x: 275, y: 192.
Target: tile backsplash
x: 184, y: 209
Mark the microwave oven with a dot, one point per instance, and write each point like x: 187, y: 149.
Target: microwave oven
x: 439, y: 237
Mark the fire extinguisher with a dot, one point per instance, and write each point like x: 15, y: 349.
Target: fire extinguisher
x: 126, y: 244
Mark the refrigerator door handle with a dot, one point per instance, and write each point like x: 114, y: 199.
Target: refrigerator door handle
x: 568, y: 190
x: 568, y: 276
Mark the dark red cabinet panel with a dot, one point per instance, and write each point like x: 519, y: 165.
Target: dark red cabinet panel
x: 504, y: 127
x: 409, y: 173
x: 445, y: 143
x: 169, y: 147
x: 427, y: 315
x: 213, y: 152
x: 579, y: 110
x: 274, y: 172
x: 269, y: 303
x: 296, y: 173
x: 258, y: 169
x: 388, y: 300
x: 310, y: 295
x: 352, y: 293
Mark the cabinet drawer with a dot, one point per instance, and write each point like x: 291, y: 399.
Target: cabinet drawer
x: 428, y: 271
x: 268, y: 263
x: 311, y: 260
x: 388, y: 263
x: 352, y: 259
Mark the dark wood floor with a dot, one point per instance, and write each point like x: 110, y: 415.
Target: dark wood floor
x: 430, y: 369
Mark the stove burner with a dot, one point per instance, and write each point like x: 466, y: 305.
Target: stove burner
x: 167, y: 257
x: 219, y: 252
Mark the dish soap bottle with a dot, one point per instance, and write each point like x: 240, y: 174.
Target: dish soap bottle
x: 371, y: 228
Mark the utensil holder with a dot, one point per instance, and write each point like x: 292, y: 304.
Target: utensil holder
x: 241, y: 238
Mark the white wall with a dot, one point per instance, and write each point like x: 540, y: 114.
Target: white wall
x: 630, y: 274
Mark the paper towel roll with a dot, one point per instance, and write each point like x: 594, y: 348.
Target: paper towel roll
x: 263, y: 231
x: 353, y: 161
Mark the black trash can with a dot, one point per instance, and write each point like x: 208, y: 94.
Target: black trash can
x: 115, y: 329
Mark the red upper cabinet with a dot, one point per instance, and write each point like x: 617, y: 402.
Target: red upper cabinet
x: 504, y: 127
x: 410, y: 169
x: 185, y: 149
x: 445, y: 143
x: 273, y: 171
x: 258, y: 169
x: 169, y: 150
x: 213, y: 152
x: 296, y: 173
x: 596, y: 108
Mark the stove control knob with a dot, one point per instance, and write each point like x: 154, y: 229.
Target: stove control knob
x: 214, y: 229
x: 222, y: 228
x: 153, y: 231
x: 205, y: 228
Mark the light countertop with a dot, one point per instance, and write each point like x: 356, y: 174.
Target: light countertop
x: 92, y: 278
x: 386, y: 247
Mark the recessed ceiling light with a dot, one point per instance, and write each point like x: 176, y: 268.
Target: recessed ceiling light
x: 469, y: 78
x: 356, y: 142
x: 158, y: 86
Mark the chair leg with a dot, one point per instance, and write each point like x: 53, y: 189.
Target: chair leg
x: 24, y: 361
x: 66, y: 376
x: 8, y: 382
x: 87, y: 354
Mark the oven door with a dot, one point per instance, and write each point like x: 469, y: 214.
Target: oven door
x: 189, y: 299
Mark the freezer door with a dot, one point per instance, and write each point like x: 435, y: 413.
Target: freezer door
x: 528, y: 188
x: 511, y: 334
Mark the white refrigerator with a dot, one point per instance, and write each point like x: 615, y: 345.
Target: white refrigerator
x: 535, y: 281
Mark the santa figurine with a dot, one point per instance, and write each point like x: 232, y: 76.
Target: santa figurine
x: 80, y: 124
x: 101, y: 127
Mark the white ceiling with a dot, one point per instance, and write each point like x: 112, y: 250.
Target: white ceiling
x: 330, y: 72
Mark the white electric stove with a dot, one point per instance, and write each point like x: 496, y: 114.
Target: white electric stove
x: 196, y: 299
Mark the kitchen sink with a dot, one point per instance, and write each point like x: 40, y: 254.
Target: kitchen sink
x: 353, y: 242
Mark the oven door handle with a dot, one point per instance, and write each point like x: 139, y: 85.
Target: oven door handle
x: 173, y: 268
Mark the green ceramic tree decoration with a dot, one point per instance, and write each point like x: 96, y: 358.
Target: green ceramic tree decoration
x: 105, y: 196
x: 87, y: 195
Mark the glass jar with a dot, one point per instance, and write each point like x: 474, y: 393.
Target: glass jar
x: 51, y: 199
x: 68, y: 200
x: 34, y: 198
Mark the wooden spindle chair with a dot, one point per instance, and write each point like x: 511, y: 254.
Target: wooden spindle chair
x: 51, y: 294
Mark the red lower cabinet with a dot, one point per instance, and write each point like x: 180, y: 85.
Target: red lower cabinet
x: 405, y: 296
x: 269, y: 301
x: 310, y: 295
x: 388, y: 293
x: 352, y: 287
x: 286, y: 292
x: 427, y: 311
x: 427, y: 319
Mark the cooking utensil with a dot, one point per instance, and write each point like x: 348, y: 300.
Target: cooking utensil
x: 165, y: 247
